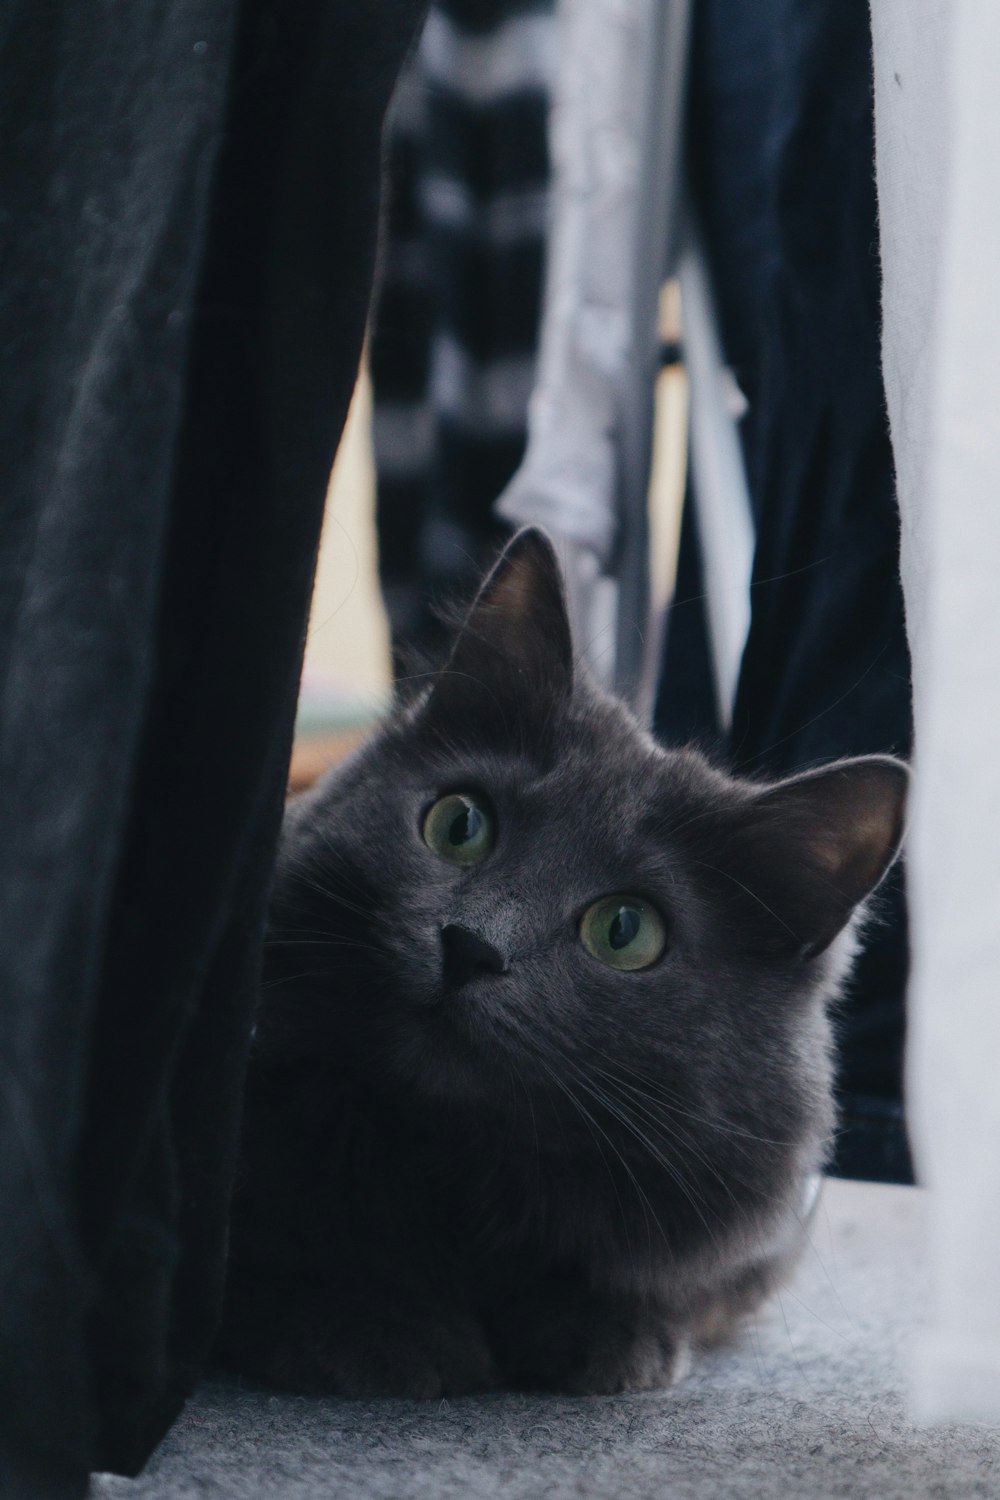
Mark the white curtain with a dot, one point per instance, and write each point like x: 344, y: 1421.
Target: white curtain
x: 937, y: 117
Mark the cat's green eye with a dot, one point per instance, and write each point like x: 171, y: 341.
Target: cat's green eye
x: 624, y: 932
x: 460, y: 829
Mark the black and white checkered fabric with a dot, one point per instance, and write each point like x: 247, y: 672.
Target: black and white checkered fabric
x: 453, y: 342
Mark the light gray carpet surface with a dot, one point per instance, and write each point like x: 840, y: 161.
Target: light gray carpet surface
x: 812, y: 1405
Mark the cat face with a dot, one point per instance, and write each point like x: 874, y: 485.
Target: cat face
x: 522, y: 905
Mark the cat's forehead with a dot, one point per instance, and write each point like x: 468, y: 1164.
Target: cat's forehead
x: 625, y: 791
x: 605, y: 778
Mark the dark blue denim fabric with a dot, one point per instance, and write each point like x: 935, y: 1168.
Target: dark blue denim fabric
x: 781, y: 170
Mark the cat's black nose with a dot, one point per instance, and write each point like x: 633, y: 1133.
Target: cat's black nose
x: 466, y: 953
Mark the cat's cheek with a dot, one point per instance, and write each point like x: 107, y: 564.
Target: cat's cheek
x: 438, y: 1061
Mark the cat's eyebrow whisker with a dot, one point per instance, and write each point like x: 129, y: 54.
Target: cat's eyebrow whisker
x: 671, y: 830
x: 728, y: 875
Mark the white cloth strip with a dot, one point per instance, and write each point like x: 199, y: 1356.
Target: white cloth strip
x: 490, y: 399
x: 937, y: 119
x: 518, y: 55
x: 567, y: 479
x: 402, y: 438
x: 503, y: 219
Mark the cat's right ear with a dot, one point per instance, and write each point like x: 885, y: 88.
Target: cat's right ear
x: 511, y: 667
x: 808, y: 850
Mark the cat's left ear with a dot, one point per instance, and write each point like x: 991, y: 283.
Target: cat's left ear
x: 511, y: 667
x: 808, y: 850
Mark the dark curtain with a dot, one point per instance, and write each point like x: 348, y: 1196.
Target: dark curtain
x: 188, y: 199
x: 781, y: 169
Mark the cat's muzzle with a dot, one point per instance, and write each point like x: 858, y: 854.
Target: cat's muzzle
x: 466, y: 953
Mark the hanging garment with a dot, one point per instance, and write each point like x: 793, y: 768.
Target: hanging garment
x: 780, y: 168
x: 937, y: 136
x: 454, y: 333
x: 188, y: 198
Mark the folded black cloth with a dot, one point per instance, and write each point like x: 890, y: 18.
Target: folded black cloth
x: 188, y: 200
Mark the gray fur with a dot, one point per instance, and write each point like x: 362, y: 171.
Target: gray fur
x: 559, y: 1175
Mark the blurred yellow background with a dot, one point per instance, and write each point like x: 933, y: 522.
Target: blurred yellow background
x: 348, y: 642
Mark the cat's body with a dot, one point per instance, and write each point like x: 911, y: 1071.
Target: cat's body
x: 543, y: 1059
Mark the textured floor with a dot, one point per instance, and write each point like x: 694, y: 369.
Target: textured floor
x: 812, y: 1405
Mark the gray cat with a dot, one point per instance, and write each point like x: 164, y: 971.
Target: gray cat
x: 542, y: 1066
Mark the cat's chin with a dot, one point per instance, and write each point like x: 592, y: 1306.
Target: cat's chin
x: 445, y: 1052
x: 459, y: 1051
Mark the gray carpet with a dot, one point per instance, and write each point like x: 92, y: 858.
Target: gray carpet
x: 812, y: 1405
